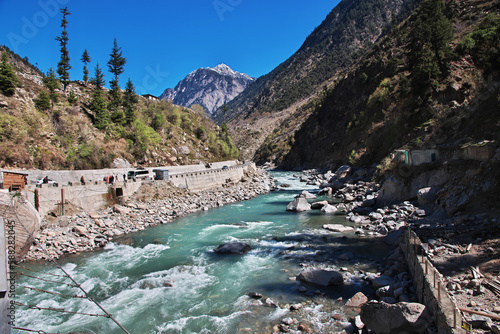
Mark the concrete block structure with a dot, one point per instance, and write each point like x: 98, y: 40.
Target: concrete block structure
x: 482, y: 151
x: 416, y: 157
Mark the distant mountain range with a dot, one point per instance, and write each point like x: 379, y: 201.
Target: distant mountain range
x: 209, y: 87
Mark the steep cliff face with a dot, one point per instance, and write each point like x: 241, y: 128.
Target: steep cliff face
x: 380, y: 105
x: 208, y: 87
x: 340, y: 40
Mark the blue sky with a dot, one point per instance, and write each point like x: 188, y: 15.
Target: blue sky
x: 162, y: 40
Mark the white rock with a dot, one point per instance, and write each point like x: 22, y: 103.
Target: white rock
x: 338, y: 228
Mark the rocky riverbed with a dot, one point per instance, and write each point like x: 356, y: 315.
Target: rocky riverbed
x: 155, y: 203
x: 464, y: 248
x: 459, y: 247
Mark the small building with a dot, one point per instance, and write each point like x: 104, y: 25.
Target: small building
x: 161, y: 174
x: 14, y: 180
x: 420, y: 157
x: 482, y: 151
x: 151, y: 97
x: 417, y: 157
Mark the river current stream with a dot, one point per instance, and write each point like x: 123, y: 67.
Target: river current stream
x: 167, y: 279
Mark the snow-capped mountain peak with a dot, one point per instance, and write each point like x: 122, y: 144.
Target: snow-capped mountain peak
x: 210, y: 87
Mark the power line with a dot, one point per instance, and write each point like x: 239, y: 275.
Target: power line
x: 48, y: 280
x: 39, y: 272
x: 32, y: 330
x: 51, y: 292
x: 59, y: 310
x: 106, y: 314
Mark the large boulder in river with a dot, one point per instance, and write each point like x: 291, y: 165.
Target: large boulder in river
x: 318, y: 205
x: 343, y: 172
x: 330, y: 209
x: 381, y: 281
x: 338, y: 228
x: 232, y: 248
x: 307, y: 195
x: 321, y: 277
x: 383, y: 318
x: 299, y: 204
x: 358, y: 300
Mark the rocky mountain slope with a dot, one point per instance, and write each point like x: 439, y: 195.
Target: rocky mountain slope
x: 64, y: 135
x: 209, y: 87
x: 347, y: 33
x: 381, y: 104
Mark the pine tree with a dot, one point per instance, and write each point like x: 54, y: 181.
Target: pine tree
x: 43, y: 101
x: 116, y: 65
x: 98, y: 107
x: 429, y: 42
x: 98, y: 104
x: 130, y: 99
x: 52, y: 83
x: 98, y: 79
x: 85, y: 59
x: 72, y: 98
x: 8, y: 77
x: 64, y: 66
x: 224, y: 109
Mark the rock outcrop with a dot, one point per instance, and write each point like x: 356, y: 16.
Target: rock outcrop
x: 399, y: 318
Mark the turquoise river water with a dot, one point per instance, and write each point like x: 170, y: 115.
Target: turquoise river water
x: 167, y: 279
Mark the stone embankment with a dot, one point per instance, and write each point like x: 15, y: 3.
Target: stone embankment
x: 155, y: 203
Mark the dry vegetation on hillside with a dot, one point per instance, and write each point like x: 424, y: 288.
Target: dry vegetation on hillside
x: 65, y: 137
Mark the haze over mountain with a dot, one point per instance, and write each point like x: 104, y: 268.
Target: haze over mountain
x: 209, y: 87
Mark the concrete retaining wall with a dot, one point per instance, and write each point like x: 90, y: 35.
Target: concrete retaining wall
x: 96, y: 195
x: 206, y: 179
x: 431, y: 290
x: 64, y: 177
x: 89, y: 197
